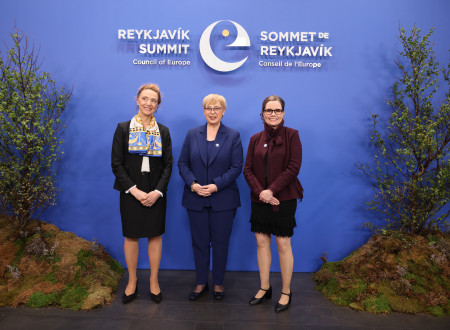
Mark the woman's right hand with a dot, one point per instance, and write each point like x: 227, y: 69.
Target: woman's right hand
x: 138, y: 194
x: 203, y: 191
x: 266, y: 196
x: 198, y: 189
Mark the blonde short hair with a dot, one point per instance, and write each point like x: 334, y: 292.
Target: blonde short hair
x: 213, y: 98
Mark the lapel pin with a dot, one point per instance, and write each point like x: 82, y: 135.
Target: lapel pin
x: 265, y: 145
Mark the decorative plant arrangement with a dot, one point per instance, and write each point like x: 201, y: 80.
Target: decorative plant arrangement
x: 40, y: 265
x: 405, y: 266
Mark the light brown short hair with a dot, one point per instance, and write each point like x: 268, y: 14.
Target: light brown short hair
x: 152, y: 87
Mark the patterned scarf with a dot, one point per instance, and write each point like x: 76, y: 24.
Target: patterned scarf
x: 144, y: 142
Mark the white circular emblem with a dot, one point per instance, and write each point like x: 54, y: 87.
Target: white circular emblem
x: 242, y: 40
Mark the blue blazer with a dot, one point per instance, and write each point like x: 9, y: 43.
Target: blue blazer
x: 223, y: 168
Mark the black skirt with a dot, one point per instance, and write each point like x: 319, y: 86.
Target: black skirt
x: 279, y: 223
x: 141, y: 221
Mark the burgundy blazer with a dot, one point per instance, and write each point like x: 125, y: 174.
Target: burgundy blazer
x: 283, y: 165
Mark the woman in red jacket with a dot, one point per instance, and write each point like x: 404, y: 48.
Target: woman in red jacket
x: 273, y: 162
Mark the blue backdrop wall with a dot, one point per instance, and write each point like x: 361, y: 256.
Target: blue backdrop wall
x: 91, y: 46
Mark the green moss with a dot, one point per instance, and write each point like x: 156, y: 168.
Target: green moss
x: 432, y: 240
x: 331, y: 266
x: 322, y: 276
x: 415, y: 278
x: 360, y: 286
x: 115, y: 266
x: 30, y: 238
x: 385, y: 288
x: 85, y: 279
x: 29, y: 281
x: 97, y: 273
x: 438, y: 279
x: 356, y: 306
x: 436, y: 311
x: 73, y: 297
x: 443, y: 281
x: 338, y: 300
x: 405, y: 304
x: 418, y: 289
x: 343, y: 282
x: 348, y: 292
x: 350, y: 255
x: 39, y: 299
x: 83, y: 257
x: 55, y: 259
x: 7, y: 297
x: 49, y: 234
x: 447, y: 308
x: 50, y: 277
x: 434, y: 267
x: 320, y: 287
x: 111, y: 278
x: 20, y: 246
x: 377, y: 305
x: 110, y: 281
x: 331, y: 287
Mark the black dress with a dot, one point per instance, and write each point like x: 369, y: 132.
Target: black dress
x: 141, y: 221
x: 138, y: 220
x: 278, y: 221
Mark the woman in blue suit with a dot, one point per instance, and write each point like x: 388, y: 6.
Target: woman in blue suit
x: 210, y: 161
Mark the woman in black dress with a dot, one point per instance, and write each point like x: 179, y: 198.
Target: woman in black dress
x: 141, y: 160
x: 273, y: 162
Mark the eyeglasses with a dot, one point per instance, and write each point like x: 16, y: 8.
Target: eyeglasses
x: 271, y: 111
x: 215, y: 109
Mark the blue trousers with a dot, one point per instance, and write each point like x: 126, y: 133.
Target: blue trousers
x: 211, y: 229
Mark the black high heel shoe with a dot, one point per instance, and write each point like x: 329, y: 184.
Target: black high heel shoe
x: 126, y: 299
x: 267, y: 295
x: 195, y: 295
x: 157, y: 298
x: 280, y: 307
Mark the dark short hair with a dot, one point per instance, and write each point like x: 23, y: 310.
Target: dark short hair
x: 268, y: 99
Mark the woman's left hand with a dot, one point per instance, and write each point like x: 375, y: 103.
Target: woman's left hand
x: 274, y: 201
x: 151, y: 198
x: 206, y: 190
x: 210, y: 188
x: 266, y: 196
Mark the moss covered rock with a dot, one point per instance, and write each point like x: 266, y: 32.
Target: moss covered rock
x: 392, y: 272
x: 43, y: 266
